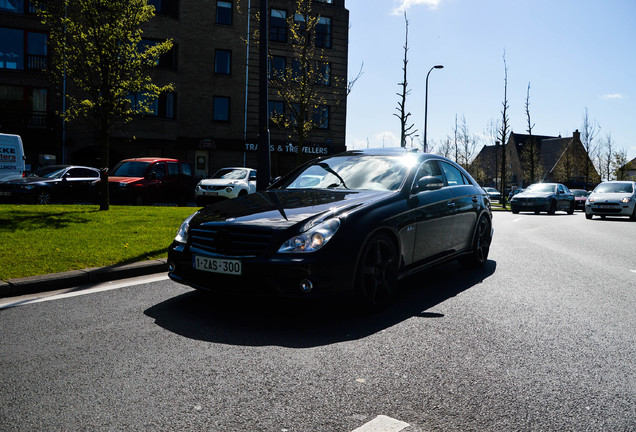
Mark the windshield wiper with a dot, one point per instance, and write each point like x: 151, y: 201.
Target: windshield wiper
x: 331, y: 171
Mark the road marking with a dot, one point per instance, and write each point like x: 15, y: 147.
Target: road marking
x: 85, y: 289
x: 633, y: 271
x: 516, y: 220
x: 382, y: 424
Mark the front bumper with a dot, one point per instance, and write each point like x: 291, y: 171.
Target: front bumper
x: 280, y: 275
x: 533, y: 206
x: 610, y: 208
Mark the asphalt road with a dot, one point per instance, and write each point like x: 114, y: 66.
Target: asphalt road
x: 542, y: 339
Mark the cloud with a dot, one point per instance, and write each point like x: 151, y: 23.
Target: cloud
x: 612, y: 96
x: 407, y: 4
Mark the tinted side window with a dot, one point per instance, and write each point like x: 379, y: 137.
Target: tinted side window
x: 454, y: 176
x: 159, y: 170
x: 185, y: 169
x: 173, y: 168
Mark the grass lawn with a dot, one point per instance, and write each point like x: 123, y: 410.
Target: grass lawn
x: 39, y: 239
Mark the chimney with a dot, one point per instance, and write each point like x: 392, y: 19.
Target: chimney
x: 576, y: 135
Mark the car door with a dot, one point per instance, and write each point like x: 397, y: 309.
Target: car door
x: 464, y: 207
x: 433, y: 209
x: 79, y: 184
x: 252, y: 181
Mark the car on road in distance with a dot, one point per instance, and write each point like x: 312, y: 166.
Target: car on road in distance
x: 226, y: 183
x: 612, y: 198
x: 580, y: 196
x: 149, y: 180
x: 352, y: 223
x: 493, y: 193
x: 54, y: 183
x: 543, y: 197
x: 514, y: 192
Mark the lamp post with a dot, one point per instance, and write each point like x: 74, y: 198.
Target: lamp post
x: 426, y: 105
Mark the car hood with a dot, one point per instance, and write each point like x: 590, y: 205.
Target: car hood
x: 116, y: 179
x: 220, y: 182
x: 534, y: 195
x: 610, y: 196
x: 281, y: 209
x: 30, y: 180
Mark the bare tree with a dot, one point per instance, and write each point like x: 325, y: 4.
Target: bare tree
x: 467, y: 144
x: 530, y: 157
x: 503, y: 132
x: 589, y: 131
x: 607, y: 155
x: 406, y: 130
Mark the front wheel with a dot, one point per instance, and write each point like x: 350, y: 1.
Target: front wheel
x: 377, y: 274
x: 481, y: 245
x: 588, y: 216
x: 43, y: 197
x: 571, y: 210
x: 552, y: 208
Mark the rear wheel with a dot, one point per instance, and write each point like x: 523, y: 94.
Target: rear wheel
x: 571, y: 210
x: 481, y: 245
x: 552, y: 208
x: 377, y: 275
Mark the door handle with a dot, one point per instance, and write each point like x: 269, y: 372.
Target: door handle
x: 451, y: 204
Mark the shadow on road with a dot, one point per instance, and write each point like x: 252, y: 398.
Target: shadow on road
x: 302, y: 323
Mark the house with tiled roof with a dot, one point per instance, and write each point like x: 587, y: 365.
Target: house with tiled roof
x: 628, y: 171
x: 537, y: 158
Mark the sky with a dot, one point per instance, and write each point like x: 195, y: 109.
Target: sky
x: 576, y: 55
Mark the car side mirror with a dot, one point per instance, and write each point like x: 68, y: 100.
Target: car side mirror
x: 429, y: 183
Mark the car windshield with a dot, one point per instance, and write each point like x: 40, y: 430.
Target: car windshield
x: 614, y: 188
x: 230, y: 174
x: 580, y: 193
x: 130, y: 169
x: 50, y: 172
x: 542, y: 187
x: 358, y: 172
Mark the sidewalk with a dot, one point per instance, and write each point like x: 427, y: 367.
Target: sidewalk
x: 55, y: 281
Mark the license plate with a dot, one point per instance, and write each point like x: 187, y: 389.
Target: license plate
x: 217, y: 265
x: 208, y: 193
x: 606, y: 206
x: 5, y: 193
x: 527, y: 204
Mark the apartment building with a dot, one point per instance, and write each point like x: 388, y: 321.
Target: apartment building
x: 211, y: 119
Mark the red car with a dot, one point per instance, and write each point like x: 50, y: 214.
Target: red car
x: 151, y: 180
x: 580, y: 196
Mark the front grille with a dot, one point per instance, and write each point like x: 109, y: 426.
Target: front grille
x: 230, y: 241
x: 608, y: 208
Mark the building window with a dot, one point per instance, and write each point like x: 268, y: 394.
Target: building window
x: 36, y: 51
x: 278, y: 25
x: 12, y: 6
x: 165, y: 7
x: 222, y: 61
x: 300, y: 21
x: 221, y: 108
x: 224, y: 12
x: 325, y: 1
x: 166, y: 60
x: 298, y: 72
x: 276, y: 111
x: 277, y: 65
x: 321, y: 117
x: 11, y: 49
x: 323, y: 32
x: 323, y: 73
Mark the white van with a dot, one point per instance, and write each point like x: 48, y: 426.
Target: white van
x: 11, y: 157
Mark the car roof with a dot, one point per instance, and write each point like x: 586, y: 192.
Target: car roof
x: 150, y: 159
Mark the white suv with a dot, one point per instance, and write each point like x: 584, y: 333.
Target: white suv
x: 226, y: 183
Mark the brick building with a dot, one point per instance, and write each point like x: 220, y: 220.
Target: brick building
x: 211, y: 119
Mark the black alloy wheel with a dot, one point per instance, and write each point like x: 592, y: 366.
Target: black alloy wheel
x: 481, y: 245
x: 552, y: 208
x: 377, y: 275
x: 633, y: 216
x: 571, y: 210
x: 43, y: 197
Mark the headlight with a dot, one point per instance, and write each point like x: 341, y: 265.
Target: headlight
x: 123, y: 185
x: 313, y: 239
x: 590, y: 199
x: 229, y: 189
x: 184, y: 230
x: 28, y: 187
x: 626, y: 200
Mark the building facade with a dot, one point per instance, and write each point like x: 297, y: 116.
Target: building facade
x: 211, y: 119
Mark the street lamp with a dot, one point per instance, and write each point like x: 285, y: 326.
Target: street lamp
x: 426, y: 105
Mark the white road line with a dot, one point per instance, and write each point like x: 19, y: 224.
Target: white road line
x: 633, y: 271
x: 87, y: 289
x: 382, y: 424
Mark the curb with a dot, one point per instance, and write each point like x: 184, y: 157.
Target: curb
x: 55, y: 281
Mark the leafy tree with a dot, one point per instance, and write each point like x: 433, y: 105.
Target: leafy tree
x: 406, y: 130
x: 97, y: 49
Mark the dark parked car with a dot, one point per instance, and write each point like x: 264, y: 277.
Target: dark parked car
x: 54, y: 183
x: 493, y: 193
x: 547, y: 197
x: 580, y: 196
x: 356, y: 222
x: 151, y: 180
